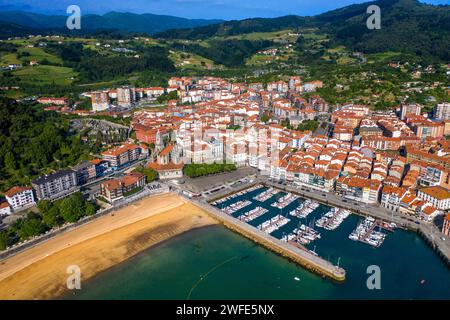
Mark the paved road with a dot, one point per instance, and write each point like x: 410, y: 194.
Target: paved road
x: 93, y: 187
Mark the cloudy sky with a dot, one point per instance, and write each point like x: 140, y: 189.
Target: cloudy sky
x: 222, y: 9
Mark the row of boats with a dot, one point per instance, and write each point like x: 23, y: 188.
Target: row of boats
x: 238, y: 194
x: 253, y: 214
x: 232, y: 208
x: 366, y: 232
x: 333, y: 218
x: 285, y: 200
x: 302, y: 235
x: 266, y: 195
x: 304, y: 209
x: 273, y: 224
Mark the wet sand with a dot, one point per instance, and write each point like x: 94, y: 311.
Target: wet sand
x: 41, y: 271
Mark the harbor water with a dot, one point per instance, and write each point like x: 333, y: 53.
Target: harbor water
x: 215, y: 263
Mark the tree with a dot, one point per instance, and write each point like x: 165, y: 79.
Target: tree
x: 4, y: 240
x: 51, y: 217
x: 90, y: 209
x: 41, y: 138
x: 10, y: 161
x: 173, y: 95
x: 72, y: 208
x: 150, y: 174
x: 44, y: 206
x: 31, y: 226
x: 265, y: 117
x: 196, y: 170
x: 310, y: 125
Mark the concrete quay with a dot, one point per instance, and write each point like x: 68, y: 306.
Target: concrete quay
x: 429, y: 232
x: 304, y: 258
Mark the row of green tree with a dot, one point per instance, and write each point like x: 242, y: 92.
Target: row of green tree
x: 194, y: 170
x: 33, y: 141
x: 306, y: 125
x: 51, y: 214
x: 150, y: 174
x: 93, y: 66
x: 230, y: 53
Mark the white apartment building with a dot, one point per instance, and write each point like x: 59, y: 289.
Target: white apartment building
x: 438, y: 196
x: 442, y: 111
x: 99, y: 100
x: 5, y: 209
x: 20, y: 197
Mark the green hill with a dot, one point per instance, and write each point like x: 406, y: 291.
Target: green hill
x: 406, y: 26
x: 128, y: 22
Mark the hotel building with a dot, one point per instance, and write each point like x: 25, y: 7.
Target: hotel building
x: 122, y: 155
x: 56, y: 186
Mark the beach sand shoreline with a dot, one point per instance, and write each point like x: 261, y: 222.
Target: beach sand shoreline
x: 40, y: 272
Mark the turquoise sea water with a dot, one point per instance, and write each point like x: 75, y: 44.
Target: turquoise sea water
x: 215, y: 263
x: 236, y: 268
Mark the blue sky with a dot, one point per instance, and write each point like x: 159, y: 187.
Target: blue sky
x: 222, y: 9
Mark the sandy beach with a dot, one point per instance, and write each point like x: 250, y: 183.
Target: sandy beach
x: 40, y: 272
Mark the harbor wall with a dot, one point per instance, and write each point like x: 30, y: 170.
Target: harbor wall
x: 443, y: 253
x: 434, y: 246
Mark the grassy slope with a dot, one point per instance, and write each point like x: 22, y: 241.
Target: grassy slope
x: 46, y: 75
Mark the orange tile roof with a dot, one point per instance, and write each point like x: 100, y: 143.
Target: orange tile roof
x: 15, y: 190
x: 429, y: 210
x: 437, y: 192
x: 163, y: 167
x: 96, y: 161
x: 408, y: 199
x: 4, y: 205
x: 112, y: 184
x: 166, y: 150
x: 132, y: 178
x: 119, y: 150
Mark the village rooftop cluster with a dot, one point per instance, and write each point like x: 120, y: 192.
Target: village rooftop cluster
x: 398, y: 159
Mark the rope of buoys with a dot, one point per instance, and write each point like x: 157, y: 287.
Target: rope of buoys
x: 202, y: 277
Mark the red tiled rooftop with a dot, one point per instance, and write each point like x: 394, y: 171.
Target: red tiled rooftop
x: 15, y: 190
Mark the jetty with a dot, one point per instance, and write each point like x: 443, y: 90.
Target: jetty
x: 305, y: 258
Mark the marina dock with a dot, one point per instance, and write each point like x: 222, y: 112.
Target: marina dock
x: 429, y: 233
x: 298, y: 254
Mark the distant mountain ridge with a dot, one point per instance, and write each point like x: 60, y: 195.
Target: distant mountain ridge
x: 128, y: 22
x: 406, y: 26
